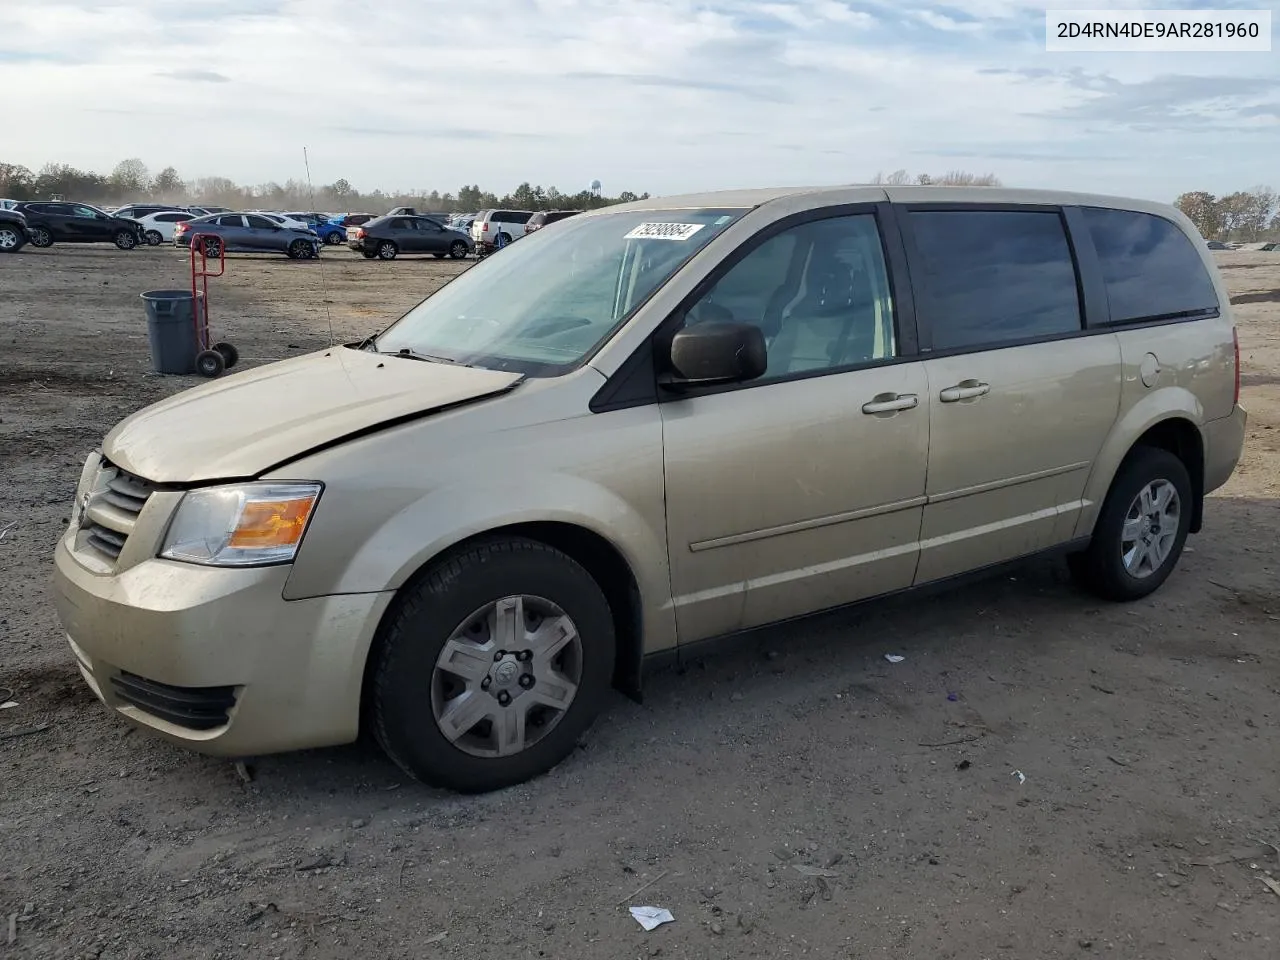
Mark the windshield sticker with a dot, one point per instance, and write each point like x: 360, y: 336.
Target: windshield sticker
x: 664, y: 231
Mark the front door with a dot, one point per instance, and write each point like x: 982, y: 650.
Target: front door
x: 1020, y: 399
x: 804, y: 489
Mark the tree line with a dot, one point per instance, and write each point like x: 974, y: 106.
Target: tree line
x: 1244, y: 216
x: 131, y: 181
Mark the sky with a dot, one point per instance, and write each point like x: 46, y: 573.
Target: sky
x: 666, y: 96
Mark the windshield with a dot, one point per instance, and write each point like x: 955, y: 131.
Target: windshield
x: 544, y: 303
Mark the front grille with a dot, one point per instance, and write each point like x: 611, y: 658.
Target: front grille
x: 114, y: 502
x: 196, y: 708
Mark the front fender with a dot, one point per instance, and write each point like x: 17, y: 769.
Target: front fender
x: 1168, y: 403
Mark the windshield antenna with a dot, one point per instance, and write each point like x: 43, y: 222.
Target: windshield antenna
x: 324, y: 287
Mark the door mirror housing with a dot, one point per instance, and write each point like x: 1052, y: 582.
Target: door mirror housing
x: 717, y: 352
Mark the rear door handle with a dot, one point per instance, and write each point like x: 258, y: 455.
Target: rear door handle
x: 891, y: 403
x: 966, y: 390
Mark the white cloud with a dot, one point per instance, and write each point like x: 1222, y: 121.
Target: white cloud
x: 665, y: 95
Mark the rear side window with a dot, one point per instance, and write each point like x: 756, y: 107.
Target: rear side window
x: 993, y: 277
x: 1150, y: 267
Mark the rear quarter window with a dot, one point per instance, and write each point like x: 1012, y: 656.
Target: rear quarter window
x: 1150, y: 267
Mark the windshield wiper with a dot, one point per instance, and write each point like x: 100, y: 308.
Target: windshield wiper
x: 415, y: 355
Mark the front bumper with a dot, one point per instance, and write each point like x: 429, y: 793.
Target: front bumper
x: 216, y: 659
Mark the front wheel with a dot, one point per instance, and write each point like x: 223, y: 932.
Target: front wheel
x: 1140, y: 530
x: 210, y: 363
x: 40, y: 237
x: 301, y: 250
x: 11, y: 240
x: 492, y: 666
x: 125, y: 239
x: 387, y: 250
x: 458, y: 250
x: 333, y: 239
x: 154, y: 238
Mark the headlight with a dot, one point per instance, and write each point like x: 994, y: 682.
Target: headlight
x: 243, y: 525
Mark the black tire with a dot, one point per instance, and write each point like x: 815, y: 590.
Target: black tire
x: 40, y: 237
x: 458, y: 250
x: 300, y: 250
x: 420, y: 624
x: 11, y: 239
x: 438, y: 256
x: 334, y: 238
x: 125, y: 239
x: 368, y: 254
x: 387, y: 250
x: 154, y: 238
x: 212, y: 247
x: 210, y: 363
x: 230, y: 355
x: 1101, y: 568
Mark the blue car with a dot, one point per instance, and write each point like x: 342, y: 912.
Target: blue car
x: 330, y: 229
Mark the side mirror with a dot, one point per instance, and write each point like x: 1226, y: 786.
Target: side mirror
x: 717, y: 352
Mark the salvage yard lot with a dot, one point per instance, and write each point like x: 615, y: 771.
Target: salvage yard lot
x: 1146, y: 733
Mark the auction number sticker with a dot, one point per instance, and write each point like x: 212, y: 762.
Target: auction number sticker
x: 664, y: 231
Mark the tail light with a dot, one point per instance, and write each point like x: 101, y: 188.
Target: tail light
x: 484, y: 227
x: 1235, y: 346
x: 359, y: 233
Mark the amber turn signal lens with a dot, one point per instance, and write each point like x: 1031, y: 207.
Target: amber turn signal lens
x: 271, y: 523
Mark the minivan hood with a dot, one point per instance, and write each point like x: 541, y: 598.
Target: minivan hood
x: 243, y: 424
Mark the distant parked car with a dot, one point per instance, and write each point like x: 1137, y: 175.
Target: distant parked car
x: 325, y: 226
x: 544, y: 217
x: 1217, y: 245
x: 461, y: 222
x: 387, y: 237
x: 496, y: 228
x: 13, y: 231
x: 249, y: 233
x: 208, y: 209
x: 159, y: 227
x: 57, y: 221
x: 284, y: 219
x: 350, y: 220
x: 1269, y: 247
x: 136, y: 211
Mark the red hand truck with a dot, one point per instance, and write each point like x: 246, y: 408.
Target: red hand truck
x: 211, y: 358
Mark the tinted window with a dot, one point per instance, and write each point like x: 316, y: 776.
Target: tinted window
x: 262, y: 223
x: 230, y: 220
x: 88, y: 212
x: 819, y: 292
x: 1150, y: 267
x: 993, y: 277
x: 400, y: 224
x: 172, y: 217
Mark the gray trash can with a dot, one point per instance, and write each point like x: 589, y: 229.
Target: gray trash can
x: 171, y: 330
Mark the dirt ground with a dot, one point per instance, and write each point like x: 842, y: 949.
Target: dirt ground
x: 1146, y: 733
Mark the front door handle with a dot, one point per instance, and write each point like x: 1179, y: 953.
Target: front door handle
x: 965, y: 390
x: 891, y: 403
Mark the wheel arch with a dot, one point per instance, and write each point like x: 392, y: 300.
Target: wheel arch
x: 599, y: 556
x: 1171, y: 427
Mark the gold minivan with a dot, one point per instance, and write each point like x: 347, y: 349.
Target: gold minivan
x: 640, y: 428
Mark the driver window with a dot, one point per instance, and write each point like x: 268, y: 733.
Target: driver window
x: 819, y: 292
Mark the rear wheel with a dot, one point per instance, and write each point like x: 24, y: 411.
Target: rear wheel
x: 212, y: 247
x: 154, y: 238
x: 492, y: 666
x: 387, y: 250
x: 125, y: 239
x: 1141, y: 529
x: 458, y: 250
x: 40, y: 237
